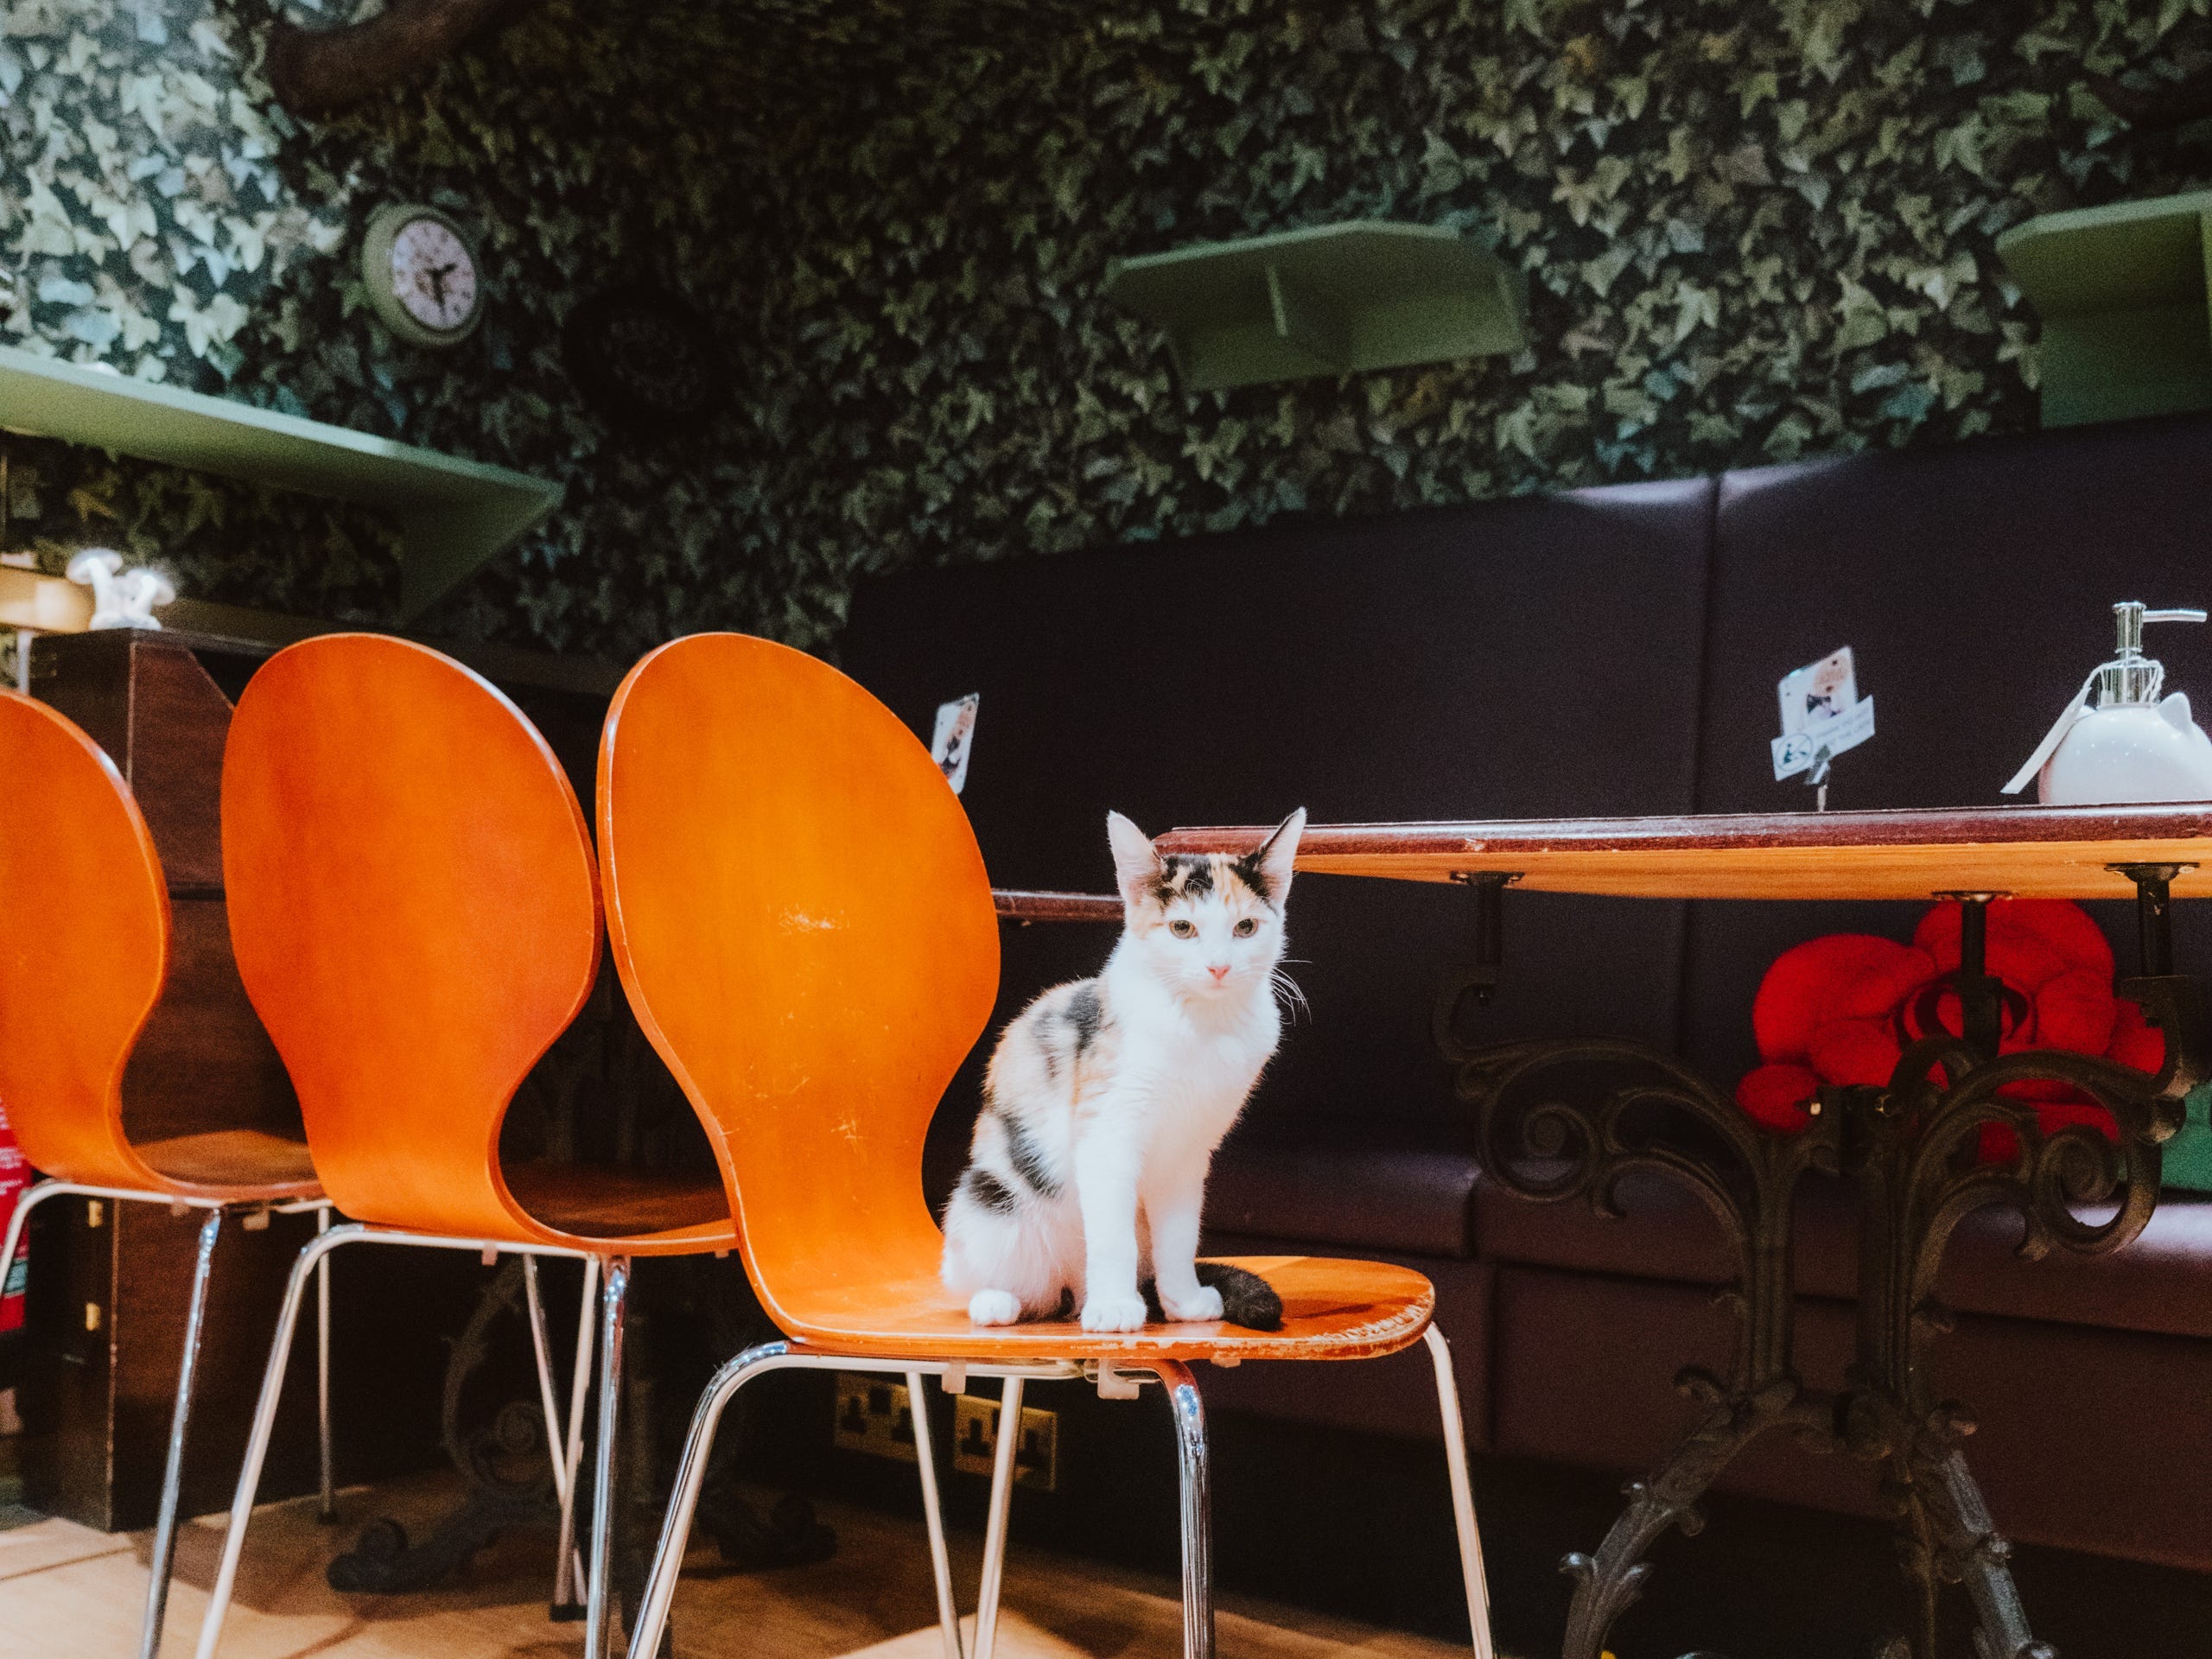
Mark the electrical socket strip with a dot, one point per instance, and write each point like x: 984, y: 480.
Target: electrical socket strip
x: 975, y: 1442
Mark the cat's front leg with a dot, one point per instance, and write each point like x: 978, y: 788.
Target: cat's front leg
x: 1173, y: 1201
x: 1106, y: 1164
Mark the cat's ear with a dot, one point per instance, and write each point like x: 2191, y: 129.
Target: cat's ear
x: 1136, y: 864
x: 1277, y: 853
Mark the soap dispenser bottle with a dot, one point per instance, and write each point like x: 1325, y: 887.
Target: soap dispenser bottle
x: 2129, y: 746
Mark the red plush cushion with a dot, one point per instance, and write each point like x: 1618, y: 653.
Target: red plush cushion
x: 2023, y: 962
x: 1855, y: 1051
x: 1839, y: 1009
x: 1879, y: 990
x: 2135, y: 1040
x: 2016, y: 1020
x: 1774, y: 1097
x: 2077, y: 1011
x: 2067, y: 929
x: 1808, y: 982
x: 2058, y: 925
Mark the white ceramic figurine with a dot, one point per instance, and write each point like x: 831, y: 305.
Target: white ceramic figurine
x: 2131, y: 745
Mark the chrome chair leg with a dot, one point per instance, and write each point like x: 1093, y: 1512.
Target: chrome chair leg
x: 690, y: 1472
x: 326, y: 1510
x: 264, y: 1420
x: 987, y: 1599
x: 1462, y: 1497
x: 568, y: 1572
x: 272, y: 1387
x: 948, y: 1609
x: 1198, y: 1506
x: 564, y: 1490
x: 157, y: 1587
x: 598, y: 1598
x: 647, y: 1629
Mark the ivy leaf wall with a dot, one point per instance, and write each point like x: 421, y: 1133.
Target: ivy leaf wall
x: 1752, y: 230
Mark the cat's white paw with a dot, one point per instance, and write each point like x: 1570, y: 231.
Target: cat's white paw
x: 1113, y: 1313
x: 1202, y: 1306
x: 994, y: 1308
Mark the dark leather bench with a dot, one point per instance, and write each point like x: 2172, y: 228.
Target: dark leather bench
x: 1607, y: 651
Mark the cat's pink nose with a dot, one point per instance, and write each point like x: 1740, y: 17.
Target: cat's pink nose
x: 1219, y: 973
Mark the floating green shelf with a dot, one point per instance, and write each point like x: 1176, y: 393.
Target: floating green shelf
x: 1326, y: 300
x: 453, y: 514
x: 2127, y: 326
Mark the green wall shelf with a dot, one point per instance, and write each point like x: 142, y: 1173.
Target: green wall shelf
x: 1326, y: 300
x: 453, y: 514
x: 2127, y: 326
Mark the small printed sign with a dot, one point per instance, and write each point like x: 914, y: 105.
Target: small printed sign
x: 956, y: 734
x: 1822, y: 715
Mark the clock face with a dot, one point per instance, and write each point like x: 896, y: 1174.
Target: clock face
x: 433, y: 274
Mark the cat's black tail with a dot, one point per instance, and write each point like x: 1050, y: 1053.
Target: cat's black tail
x: 1246, y: 1298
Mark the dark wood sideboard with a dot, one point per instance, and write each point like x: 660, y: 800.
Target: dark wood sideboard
x: 105, y: 1317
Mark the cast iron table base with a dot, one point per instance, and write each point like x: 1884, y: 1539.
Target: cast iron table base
x: 1566, y: 1119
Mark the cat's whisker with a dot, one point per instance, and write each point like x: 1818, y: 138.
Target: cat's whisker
x: 1290, y: 995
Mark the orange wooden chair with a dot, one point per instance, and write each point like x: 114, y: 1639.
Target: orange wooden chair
x: 801, y: 917
x: 415, y: 909
x: 85, y: 959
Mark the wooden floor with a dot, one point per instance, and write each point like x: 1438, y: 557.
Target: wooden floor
x: 65, y: 1590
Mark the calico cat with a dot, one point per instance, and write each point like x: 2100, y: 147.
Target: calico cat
x: 1106, y: 1097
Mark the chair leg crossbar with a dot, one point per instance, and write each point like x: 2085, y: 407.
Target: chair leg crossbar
x: 1189, y: 1416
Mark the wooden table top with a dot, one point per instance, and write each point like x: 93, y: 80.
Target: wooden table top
x: 2041, y: 852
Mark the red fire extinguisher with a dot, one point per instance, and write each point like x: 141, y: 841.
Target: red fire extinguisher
x: 15, y: 1176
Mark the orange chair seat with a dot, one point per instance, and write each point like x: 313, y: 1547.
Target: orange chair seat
x: 247, y: 1166
x: 1332, y: 1309
x: 647, y: 1211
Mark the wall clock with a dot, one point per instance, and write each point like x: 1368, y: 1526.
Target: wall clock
x: 645, y: 358
x: 421, y: 270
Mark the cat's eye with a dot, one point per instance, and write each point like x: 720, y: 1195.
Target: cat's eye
x: 1182, y: 929
x: 1247, y: 928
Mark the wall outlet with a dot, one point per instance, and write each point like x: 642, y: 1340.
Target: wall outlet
x: 875, y: 1416
x: 975, y: 1442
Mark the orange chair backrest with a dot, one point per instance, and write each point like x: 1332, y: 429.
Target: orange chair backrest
x: 84, y: 946
x: 414, y: 912
x: 801, y: 918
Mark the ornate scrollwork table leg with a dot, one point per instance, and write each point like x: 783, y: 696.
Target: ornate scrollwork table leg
x: 1568, y: 1120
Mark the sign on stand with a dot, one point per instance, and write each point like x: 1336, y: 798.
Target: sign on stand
x: 1822, y: 715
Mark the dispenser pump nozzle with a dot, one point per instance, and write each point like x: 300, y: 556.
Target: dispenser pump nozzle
x: 2131, y: 615
x: 2131, y: 677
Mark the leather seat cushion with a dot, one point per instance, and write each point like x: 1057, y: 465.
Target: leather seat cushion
x: 1412, y: 1187
x: 2161, y: 1284
x: 1403, y: 1188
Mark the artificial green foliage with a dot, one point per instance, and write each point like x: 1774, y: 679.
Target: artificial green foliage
x: 211, y: 535
x: 1750, y: 231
